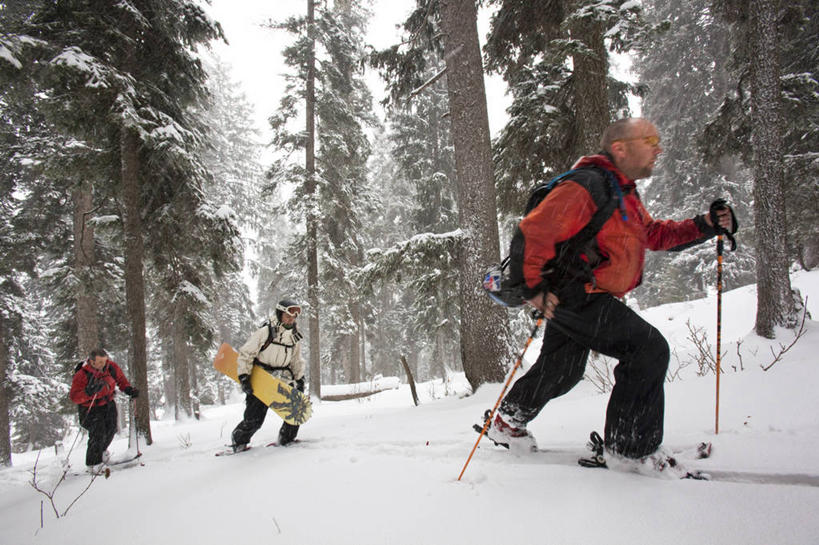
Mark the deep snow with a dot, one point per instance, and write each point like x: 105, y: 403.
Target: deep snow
x: 381, y: 471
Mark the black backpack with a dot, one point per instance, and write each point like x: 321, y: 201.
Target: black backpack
x: 504, y: 281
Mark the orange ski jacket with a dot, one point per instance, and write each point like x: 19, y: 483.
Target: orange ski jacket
x: 621, y: 242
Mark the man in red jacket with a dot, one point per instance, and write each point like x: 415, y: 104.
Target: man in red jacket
x: 92, y: 389
x: 586, y: 313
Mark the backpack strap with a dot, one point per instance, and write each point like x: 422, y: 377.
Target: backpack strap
x: 567, y: 265
x: 270, y: 340
x: 606, y: 196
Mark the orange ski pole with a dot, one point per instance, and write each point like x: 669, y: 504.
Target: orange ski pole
x: 505, y: 387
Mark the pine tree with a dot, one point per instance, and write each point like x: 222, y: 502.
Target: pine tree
x: 342, y: 110
x: 424, y: 178
x: 232, y: 155
x: 483, y: 326
x: 682, y: 83
x: 769, y: 117
x: 37, y: 382
x: 133, y: 86
x: 553, y: 56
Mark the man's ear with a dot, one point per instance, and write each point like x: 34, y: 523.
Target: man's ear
x: 618, y: 149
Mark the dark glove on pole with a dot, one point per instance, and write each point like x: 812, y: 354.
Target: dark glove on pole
x: 244, y: 380
x: 131, y: 392
x: 721, y: 204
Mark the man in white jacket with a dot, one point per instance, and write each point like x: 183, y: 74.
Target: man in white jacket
x: 275, y: 348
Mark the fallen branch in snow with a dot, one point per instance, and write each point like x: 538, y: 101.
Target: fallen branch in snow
x: 341, y: 392
x: 353, y: 395
x: 784, y: 349
x: 50, y: 495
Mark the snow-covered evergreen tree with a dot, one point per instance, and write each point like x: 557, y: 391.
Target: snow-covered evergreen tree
x: 556, y: 64
x: 36, y: 380
x: 769, y: 116
x: 127, y: 93
x: 343, y: 110
x: 233, y: 157
x: 684, y: 75
x: 419, y: 204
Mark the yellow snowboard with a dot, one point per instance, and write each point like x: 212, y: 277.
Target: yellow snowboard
x: 293, y: 406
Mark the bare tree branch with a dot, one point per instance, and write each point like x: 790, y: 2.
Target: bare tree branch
x: 784, y: 349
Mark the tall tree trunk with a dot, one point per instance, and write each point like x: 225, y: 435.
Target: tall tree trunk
x: 84, y: 261
x: 362, y: 341
x: 589, y: 83
x: 180, y: 362
x: 5, y: 422
x: 134, y: 281
x: 483, y: 324
x: 168, y: 379
x: 194, y: 382
x: 775, y: 303
x: 355, y: 346
x: 312, y: 219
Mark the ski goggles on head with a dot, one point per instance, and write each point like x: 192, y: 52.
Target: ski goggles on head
x: 292, y: 310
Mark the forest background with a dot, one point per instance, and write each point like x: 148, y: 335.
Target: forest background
x: 138, y: 197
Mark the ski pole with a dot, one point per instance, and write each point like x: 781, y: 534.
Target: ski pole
x: 133, y: 425
x: 488, y: 422
x: 82, y: 429
x: 719, y: 326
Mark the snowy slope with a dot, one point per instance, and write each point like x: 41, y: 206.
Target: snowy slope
x: 381, y: 471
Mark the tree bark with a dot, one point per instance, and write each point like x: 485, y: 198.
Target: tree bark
x: 590, y: 86
x: 168, y: 380
x: 134, y: 280
x: 5, y: 422
x: 312, y: 219
x: 483, y: 324
x: 181, y: 371
x: 355, y: 346
x: 84, y: 260
x: 775, y: 303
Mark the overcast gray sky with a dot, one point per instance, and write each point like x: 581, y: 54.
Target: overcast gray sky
x: 255, y: 52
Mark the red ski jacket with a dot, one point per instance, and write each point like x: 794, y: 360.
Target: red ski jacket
x: 621, y: 242
x: 109, y: 377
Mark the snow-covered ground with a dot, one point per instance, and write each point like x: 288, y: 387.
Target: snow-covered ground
x: 382, y: 471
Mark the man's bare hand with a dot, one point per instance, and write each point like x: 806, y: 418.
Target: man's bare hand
x: 546, y: 304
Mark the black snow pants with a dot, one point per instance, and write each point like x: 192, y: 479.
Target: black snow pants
x: 101, y: 423
x: 600, y: 322
x: 255, y: 413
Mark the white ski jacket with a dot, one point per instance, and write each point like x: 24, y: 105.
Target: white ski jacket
x: 281, y: 357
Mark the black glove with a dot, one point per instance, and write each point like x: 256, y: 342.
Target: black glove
x: 131, y: 391
x: 720, y: 204
x: 300, y: 385
x: 244, y: 380
x: 93, y: 387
